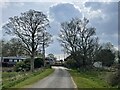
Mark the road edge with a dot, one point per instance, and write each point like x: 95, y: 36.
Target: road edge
x: 30, y: 85
x: 75, y: 86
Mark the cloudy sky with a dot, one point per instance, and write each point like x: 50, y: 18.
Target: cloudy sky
x: 103, y: 15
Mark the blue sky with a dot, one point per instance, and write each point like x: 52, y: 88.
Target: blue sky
x: 102, y: 15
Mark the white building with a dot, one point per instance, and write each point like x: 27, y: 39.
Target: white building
x: 98, y: 64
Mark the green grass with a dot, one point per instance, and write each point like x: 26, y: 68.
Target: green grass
x: 34, y: 79
x: 89, y: 79
x: 14, y: 80
x: 12, y: 76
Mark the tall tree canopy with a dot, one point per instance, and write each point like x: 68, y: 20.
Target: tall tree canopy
x: 106, y: 55
x: 79, y: 40
x: 30, y: 27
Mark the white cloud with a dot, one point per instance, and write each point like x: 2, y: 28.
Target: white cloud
x: 64, y: 11
x: 105, y: 16
x: 113, y: 38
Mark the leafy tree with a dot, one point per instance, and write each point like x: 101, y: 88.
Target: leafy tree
x: 119, y: 57
x: 30, y: 27
x: 106, y: 57
x: 5, y: 48
x: 108, y: 46
x: 51, y: 56
x: 107, y: 54
x: 1, y: 41
x: 79, y: 40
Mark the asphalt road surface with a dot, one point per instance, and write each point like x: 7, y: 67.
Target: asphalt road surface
x: 59, y: 79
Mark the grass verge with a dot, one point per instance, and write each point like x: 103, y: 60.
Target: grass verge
x: 89, y: 79
x: 34, y: 78
x: 29, y: 79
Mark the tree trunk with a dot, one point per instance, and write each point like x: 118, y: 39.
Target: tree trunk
x: 43, y: 46
x: 44, y: 55
x: 84, y: 64
x: 75, y: 57
x: 33, y: 53
x: 32, y: 63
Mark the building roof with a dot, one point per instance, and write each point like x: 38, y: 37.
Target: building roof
x: 13, y: 57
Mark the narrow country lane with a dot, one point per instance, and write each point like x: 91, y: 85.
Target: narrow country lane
x: 59, y: 79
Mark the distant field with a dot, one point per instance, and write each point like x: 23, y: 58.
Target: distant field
x: 90, y: 79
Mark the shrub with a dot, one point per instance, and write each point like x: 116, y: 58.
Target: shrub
x: 25, y: 65
x: 70, y: 63
x: 38, y: 62
x: 114, y: 78
x: 20, y: 66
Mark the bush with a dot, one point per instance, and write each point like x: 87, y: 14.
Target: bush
x: 114, y: 78
x: 70, y: 63
x: 20, y: 66
x: 25, y: 65
x: 38, y: 62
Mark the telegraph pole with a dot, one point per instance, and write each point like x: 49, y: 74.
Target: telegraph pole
x: 64, y: 55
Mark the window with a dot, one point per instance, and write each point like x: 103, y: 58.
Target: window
x: 10, y: 60
x: 15, y: 60
x: 6, y: 60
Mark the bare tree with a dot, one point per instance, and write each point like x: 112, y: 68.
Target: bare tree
x: 46, y: 40
x: 29, y: 27
x: 79, y: 40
